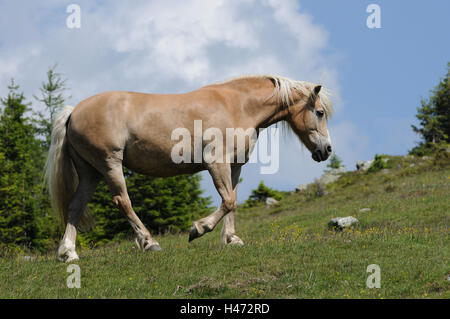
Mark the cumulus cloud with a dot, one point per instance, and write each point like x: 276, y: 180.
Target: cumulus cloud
x: 198, y: 41
x: 172, y: 46
x: 152, y: 45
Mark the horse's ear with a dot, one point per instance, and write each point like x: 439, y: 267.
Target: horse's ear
x: 317, y: 89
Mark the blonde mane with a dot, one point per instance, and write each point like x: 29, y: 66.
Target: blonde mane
x: 285, y: 86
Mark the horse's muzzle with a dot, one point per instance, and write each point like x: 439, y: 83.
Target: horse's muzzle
x: 319, y: 155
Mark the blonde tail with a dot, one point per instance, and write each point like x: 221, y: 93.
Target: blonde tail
x: 60, y: 174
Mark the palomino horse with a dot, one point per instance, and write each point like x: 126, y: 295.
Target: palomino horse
x: 110, y: 130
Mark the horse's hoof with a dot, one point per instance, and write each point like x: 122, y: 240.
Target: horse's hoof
x: 68, y: 258
x: 234, y: 241
x: 155, y: 247
x: 72, y: 259
x: 193, y: 233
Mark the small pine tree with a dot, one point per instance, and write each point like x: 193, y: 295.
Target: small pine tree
x: 53, y: 99
x: 434, y: 118
x: 260, y: 194
x: 429, y: 128
x: 441, y: 100
x: 379, y: 162
x: 335, y: 162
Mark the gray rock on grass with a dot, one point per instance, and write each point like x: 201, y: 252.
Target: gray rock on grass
x: 331, y: 175
x: 339, y: 223
x: 363, y: 165
x: 271, y: 201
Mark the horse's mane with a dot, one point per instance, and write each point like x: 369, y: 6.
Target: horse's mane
x: 284, y: 87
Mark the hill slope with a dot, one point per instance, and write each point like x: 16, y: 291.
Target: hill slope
x: 289, y: 251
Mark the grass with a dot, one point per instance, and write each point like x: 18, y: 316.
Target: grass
x: 289, y: 251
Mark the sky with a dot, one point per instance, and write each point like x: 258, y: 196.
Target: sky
x: 378, y: 76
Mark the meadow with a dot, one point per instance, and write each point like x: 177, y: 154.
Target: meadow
x: 289, y: 251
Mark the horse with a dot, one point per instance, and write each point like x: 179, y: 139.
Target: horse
x: 117, y: 129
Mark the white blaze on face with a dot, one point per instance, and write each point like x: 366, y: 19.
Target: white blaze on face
x: 329, y: 137
x: 316, y: 139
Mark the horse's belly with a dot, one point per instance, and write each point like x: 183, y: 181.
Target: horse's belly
x: 157, y: 163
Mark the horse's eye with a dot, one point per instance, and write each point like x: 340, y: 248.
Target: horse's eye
x: 320, y: 113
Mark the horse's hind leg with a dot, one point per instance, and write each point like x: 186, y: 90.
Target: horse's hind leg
x: 88, y: 179
x: 116, y: 181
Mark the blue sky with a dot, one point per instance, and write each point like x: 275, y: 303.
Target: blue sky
x: 378, y: 75
x: 384, y: 72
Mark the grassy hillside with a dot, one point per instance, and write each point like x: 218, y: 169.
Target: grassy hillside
x: 289, y: 251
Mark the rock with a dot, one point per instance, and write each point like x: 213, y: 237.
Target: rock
x: 363, y: 166
x: 339, y: 170
x: 331, y: 175
x: 385, y: 171
x: 340, y: 223
x: 271, y: 202
x: 328, y: 178
x: 300, y: 188
x: 364, y: 210
x: 425, y: 158
x: 412, y: 165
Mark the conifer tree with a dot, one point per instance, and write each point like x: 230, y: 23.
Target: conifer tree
x: 434, y: 118
x: 335, y: 162
x: 260, y: 194
x: 19, y: 176
x: 53, y: 99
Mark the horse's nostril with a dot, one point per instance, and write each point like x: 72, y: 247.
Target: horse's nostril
x: 329, y: 148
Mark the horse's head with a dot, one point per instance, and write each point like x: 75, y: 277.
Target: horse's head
x: 308, y: 119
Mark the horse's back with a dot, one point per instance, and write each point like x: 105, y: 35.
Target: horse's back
x: 136, y: 128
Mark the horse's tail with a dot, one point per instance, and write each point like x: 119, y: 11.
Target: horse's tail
x: 60, y: 175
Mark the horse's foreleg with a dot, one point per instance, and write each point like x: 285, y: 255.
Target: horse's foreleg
x: 228, y: 232
x: 118, y: 188
x: 221, y: 174
x: 229, y: 236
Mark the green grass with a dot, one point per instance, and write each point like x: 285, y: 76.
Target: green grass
x: 289, y: 251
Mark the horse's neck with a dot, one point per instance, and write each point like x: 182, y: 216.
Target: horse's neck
x: 272, y: 116
x: 262, y: 106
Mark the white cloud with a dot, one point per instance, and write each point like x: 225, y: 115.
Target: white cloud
x: 174, y: 46
x: 150, y: 45
x: 12, y: 64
